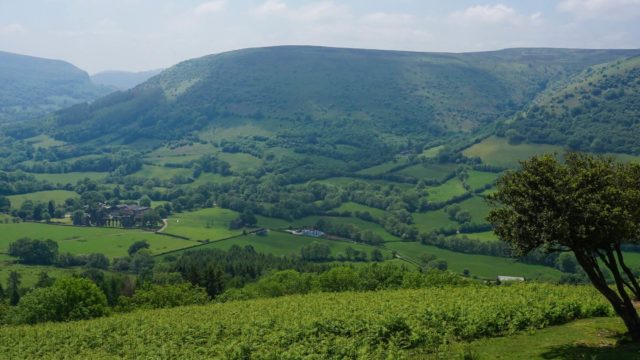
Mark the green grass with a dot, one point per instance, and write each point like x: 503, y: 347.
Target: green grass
x: 161, y: 172
x: 59, y: 196
x: 71, y: 177
x: 481, y: 236
x: 240, y: 161
x: 429, y: 171
x: 181, y: 154
x: 364, y: 225
x: 498, y: 152
x: 272, y: 223
x: 29, y: 273
x: 44, y: 141
x: 353, y: 208
x: 446, y: 191
x: 478, y: 179
x: 85, y: 240
x: 209, y: 178
x: 206, y: 224
x: 345, y: 181
x: 477, y: 207
x: 596, y: 338
x: 384, y: 167
x: 482, y: 266
x: 432, y: 152
x: 282, y: 243
x: 433, y: 220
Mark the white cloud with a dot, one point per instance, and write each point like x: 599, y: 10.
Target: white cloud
x: 601, y: 9
x: 271, y: 7
x: 12, y: 29
x: 210, y: 7
x: 315, y: 11
x: 497, y: 13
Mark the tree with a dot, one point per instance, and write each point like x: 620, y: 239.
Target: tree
x: 5, y: 204
x: 587, y: 205
x: 136, y: 246
x: 67, y: 299
x: 51, y: 208
x: 165, y: 296
x: 98, y: 261
x: 78, y: 218
x: 34, y: 252
x: 150, y: 219
x: 376, y: 255
x: 315, y: 252
x: 44, y: 280
x: 13, y: 288
x: 145, y: 201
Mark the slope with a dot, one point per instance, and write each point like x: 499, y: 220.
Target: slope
x: 31, y: 87
x: 122, y: 80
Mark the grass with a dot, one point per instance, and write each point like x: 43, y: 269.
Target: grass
x: 179, y: 154
x: 432, y: 152
x: 482, y: 266
x: 433, y: 220
x: 478, y: 179
x: 477, y: 207
x: 44, y: 141
x: 481, y: 236
x: 446, y: 191
x: 596, y: 338
x: 353, y: 208
x: 282, y: 243
x: 429, y: 171
x: 84, y: 240
x: 345, y: 181
x: 498, y: 152
x: 364, y: 225
x: 208, y: 178
x: 206, y: 224
x: 240, y: 161
x: 29, y: 273
x: 161, y: 172
x: 71, y: 177
x: 59, y: 196
x: 384, y: 167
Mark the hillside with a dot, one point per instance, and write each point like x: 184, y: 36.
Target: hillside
x: 309, y: 92
x: 597, y: 110
x: 31, y: 87
x: 122, y: 80
x: 399, y: 324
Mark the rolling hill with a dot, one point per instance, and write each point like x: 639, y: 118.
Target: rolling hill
x: 597, y: 110
x: 31, y: 87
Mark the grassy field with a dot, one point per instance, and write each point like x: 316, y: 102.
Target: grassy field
x: 345, y: 181
x: 281, y: 243
x: 85, y: 240
x: 429, y: 171
x: 353, y: 208
x: 597, y: 338
x: 384, y: 167
x: 478, y: 179
x: 433, y: 220
x: 29, y: 273
x: 432, y: 152
x: 481, y: 236
x: 71, y: 177
x: 44, y: 141
x: 364, y: 225
x: 206, y: 224
x: 477, y: 207
x: 498, y: 152
x: 240, y: 161
x: 208, y: 178
x: 179, y: 154
x: 446, y: 191
x: 59, y: 196
x: 161, y: 172
x: 482, y: 266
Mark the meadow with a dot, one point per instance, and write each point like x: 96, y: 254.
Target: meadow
x: 446, y: 191
x: 70, y: 177
x: 206, y: 224
x: 59, y: 196
x: 429, y: 171
x: 498, y: 152
x: 391, y: 324
x: 310, y: 221
x: 85, y: 240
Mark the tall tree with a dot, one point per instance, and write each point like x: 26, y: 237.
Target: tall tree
x: 13, y: 288
x: 587, y: 205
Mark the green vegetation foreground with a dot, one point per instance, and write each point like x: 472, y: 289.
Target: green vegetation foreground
x: 373, y: 325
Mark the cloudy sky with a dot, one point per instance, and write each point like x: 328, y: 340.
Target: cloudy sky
x: 147, y: 34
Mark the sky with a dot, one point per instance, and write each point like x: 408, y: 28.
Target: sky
x: 136, y: 35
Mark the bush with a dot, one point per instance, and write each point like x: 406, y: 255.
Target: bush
x: 67, y: 299
x: 164, y: 296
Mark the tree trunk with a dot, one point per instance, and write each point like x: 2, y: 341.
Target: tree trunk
x: 621, y: 303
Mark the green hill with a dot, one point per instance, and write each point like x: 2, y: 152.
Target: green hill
x: 31, y: 87
x: 597, y: 110
x: 122, y: 80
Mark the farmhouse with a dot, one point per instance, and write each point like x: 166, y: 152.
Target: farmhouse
x: 307, y: 232
x: 509, y: 278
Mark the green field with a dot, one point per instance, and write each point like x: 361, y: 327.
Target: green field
x: 384, y: 167
x: 59, y: 196
x: 364, y: 225
x: 240, y: 161
x: 209, y: 178
x: 346, y: 181
x: 477, y: 207
x: 29, y: 273
x: 71, y: 177
x: 429, y: 171
x: 498, y: 152
x: 478, y: 179
x: 482, y: 266
x: 161, y: 172
x: 180, y: 154
x: 433, y: 220
x: 481, y: 236
x: 282, y: 243
x: 446, y: 191
x: 206, y: 224
x: 432, y: 152
x: 353, y: 208
x: 84, y: 240
x: 44, y: 141
x: 597, y: 338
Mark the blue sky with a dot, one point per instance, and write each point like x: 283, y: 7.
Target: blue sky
x: 146, y: 34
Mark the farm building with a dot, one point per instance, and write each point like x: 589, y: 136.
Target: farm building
x: 509, y: 278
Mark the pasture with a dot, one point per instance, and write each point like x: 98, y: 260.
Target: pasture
x: 59, y: 196
x: 433, y: 220
x: 353, y: 208
x: 161, y: 172
x: 446, y: 191
x: 310, y: 221
x: 478, y: 179
x: 85, y: 240
x: 498, y: 152
x: 482, y: 266
x: 477, y: 207
x: 429, y: 171
x: 70, y: 177
x: 206, y: 224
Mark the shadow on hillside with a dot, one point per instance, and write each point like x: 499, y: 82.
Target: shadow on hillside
x: 620, y: 351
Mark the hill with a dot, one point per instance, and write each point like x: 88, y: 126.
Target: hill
x: 31, y: 87
x: 123, y: 80
x: 597, y: 110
